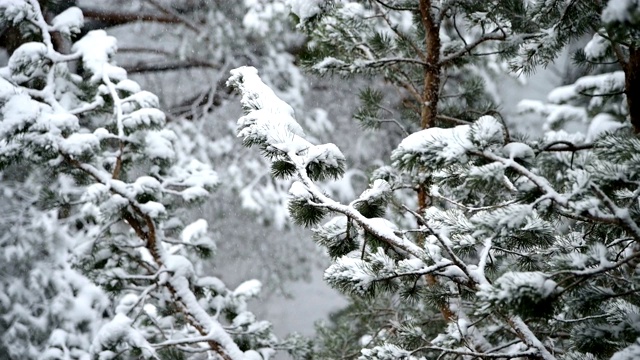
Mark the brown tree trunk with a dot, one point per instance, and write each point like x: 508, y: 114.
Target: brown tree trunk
x: 431, y: 89
x: 632, y: 87
x: 430, y: 92
x: 429, y: 109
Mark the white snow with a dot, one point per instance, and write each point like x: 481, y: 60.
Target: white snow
x: 349, y: 269
x: 514, y: 284
x: 16, y: 10
x: 194, y: 231
x: 299, y: 191
x: 69, y: 21
x: 305, y: 9
x: 18, y: 113
x: 328, y: 63
x: 602, y: 83
x: 159, y: 144
x: 597, y: 47
x: 383, y: 227
x: 621, y: 11
x: 78, y: 144
x: 120, y: 329
x: 96, y: 48
x: 325, y: 153
x: 602, y: 123
x: 256, y: 94
x: 179, y: 266
x: 129, y: 86
x: 517, y: 150
x: 28, y: 61
x: 145, y: 184
x: 454, y: 142
x: 153, y: 209
x: 379, y: 189
x: 562, y: 94
x: 144, y: 117
x: 143, y: 99
x: 248, y: 289
x: 487, y: 130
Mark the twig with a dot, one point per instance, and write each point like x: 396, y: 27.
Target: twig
x: 185, y: 21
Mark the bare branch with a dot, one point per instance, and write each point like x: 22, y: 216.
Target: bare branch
x: 185, y: 21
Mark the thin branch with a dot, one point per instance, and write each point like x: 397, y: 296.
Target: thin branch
x: 185, y: 21
x: 397, y: 8
x: 141, y: 68
x: 586, y: 318
x: 569, y: 146
x: 467, y: 49
x: 621, y: 214
x: 452, y: 119
x: 113, y: 18
x: 456, y: 260
x: 483, y: 355
x: 598, y: 95
x: 117, y: 104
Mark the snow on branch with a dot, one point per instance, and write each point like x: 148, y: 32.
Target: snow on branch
x: 267, y: 112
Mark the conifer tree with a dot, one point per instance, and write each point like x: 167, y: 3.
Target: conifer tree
x: 474, y: 242
x: 99, y: 253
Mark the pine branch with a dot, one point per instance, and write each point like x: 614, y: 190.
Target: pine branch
x: 493, y: 36
x: 569, y: 146
x: 531, y: 354
x: 114, y: 18
x: 117, y: 104
x: 621, y: 214
x: 396, y: 8
x: 539, y: 181
x: 183, y: 20
x: 142, y: 68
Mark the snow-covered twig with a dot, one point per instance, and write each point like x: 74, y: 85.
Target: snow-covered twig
x: 453, y: 257
x: 540, y: 182
x: 117, y: 104
x: 482, y: 355
x: 622, y: 214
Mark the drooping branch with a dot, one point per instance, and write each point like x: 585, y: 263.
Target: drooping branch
x: 108, y: 18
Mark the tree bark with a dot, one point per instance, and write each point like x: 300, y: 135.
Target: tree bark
x: 632, y: 87
x: 431, y: 85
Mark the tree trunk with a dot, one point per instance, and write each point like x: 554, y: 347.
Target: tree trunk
x: 632, y: 87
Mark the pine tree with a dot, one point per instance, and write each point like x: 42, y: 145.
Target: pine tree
x: 100, y: 254
x: 510, y: 247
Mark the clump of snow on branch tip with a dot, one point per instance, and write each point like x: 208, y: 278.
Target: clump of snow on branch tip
x: 248, y: 289
x: 69, y: 21
x: 525, y: 292
x: 518, y: 150
x: 386, y: 352
x: 96, y: 48
x: 194, y: 231
x: 29, y: 61
x: 433, y: 147
x: 380, y: 189
x: 16, y: 11
x: 299, y: 191
x: 78, y: 144
x: 351, y: 274
x: 601, y: 124
x: 256, y: 95
x: 305, y: 9
x: 597, y: 47
x: 119, y: 330
x: 486, y: 131
x: 180, y: 266
x: 621, y: 11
